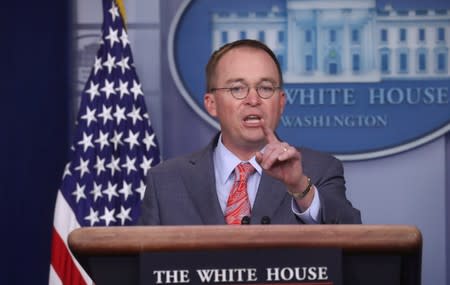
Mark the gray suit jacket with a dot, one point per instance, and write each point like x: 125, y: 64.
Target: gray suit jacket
x: 181, y: 191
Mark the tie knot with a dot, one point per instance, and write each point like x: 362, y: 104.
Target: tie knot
x: 243, y: 171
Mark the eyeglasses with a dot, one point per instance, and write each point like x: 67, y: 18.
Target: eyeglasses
x: 241, y: 92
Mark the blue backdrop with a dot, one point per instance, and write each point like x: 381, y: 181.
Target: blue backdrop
x: 34, y: 128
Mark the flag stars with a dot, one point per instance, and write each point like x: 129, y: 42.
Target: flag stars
x: 93, y: 90
x: 124, y: 215
x: 112, y: 37
x: 135, y: 115
x: 123, y: 63
x: 102, y: 140
x: 136, y: 89
x: 108, y: 88
x: 132, y: 139
x: 110, y: 63
x: 114, y: 143
x: 83, y: 167
x: 97, y: 191
x: 79, y: 192
x: 106, y: 114
x: 123, y: 88
x: 97, y: 65
x: 100, y: 165
x: 108, y: 216
x: 129, y: 164
x: 149, y: 141
x: 124, y: 39
x: 141, y: 189
x: 116, y: 140
x: 92, y: 217
x: 146, y: 164
x: 114, y: 12
x: 114, y: 165
x: 67, y: 170
x: 110, y: 191
x: 119, y: 114
x: 89, y: 116
x: 126, y: 190
x: 86, y: 142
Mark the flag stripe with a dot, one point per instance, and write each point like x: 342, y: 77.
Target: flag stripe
x: 64, y: 221
x: 62, y: 259
x: 62, y: 262
x: 54, y: 278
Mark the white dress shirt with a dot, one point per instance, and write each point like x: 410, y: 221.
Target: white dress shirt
x: 224, y: 164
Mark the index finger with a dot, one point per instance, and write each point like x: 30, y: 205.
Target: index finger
x: 268, y: 133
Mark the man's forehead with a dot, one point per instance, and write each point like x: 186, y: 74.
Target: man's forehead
x: 243, y: 49
x: 250, y: 54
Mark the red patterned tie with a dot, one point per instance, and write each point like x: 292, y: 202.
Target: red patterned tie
x: 238, y: 204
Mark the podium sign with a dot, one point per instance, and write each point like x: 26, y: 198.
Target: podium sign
x: 244, y: 266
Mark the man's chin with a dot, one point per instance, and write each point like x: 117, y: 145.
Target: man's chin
x: 255, y: 140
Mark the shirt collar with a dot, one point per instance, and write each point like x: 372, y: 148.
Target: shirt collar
x: 225, y: 161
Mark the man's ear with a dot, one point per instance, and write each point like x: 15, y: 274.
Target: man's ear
x: 209, y: 100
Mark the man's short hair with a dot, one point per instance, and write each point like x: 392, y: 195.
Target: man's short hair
x: 217, y: 55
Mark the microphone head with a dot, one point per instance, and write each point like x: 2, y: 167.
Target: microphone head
x: 245, y: 220
x: 265, y: 220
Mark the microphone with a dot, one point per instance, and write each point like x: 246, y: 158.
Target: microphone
x: 265, y: 220
x: 245, y: 220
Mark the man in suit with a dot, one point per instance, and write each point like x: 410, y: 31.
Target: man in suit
x: 247, y: 173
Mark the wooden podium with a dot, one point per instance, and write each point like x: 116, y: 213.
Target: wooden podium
x: 371, y: 254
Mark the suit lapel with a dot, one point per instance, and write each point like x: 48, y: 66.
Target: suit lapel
x: 202, y: 188
x: 269, y: 198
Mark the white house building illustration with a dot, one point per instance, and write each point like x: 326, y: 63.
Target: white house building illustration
x: 345, y: 41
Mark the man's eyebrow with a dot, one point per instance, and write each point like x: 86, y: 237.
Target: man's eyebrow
x: 243, y: 81
x: 235, y: 80
x: 271, y: 80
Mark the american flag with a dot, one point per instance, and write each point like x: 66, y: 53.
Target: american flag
x: 114, y: 146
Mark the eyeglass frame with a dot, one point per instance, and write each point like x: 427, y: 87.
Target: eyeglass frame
x: 229, y: 89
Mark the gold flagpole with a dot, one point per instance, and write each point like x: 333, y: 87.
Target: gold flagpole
x: 122, y: 12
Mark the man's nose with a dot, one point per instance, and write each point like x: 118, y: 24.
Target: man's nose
x: 253, y: 97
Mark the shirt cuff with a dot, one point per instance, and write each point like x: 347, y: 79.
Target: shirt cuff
x: 310, y: 215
